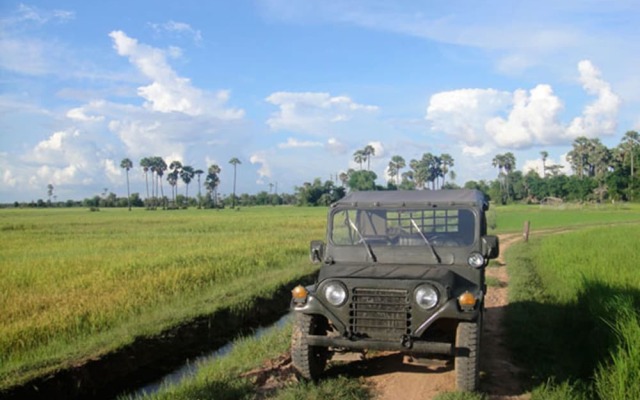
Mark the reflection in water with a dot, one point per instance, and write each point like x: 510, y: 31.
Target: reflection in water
x: 191, y: 366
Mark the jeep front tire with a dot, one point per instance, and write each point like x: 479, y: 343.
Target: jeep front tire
x: 466, y: 356
x: 309, y: 361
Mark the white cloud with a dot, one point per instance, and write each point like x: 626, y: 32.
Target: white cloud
x: 335, y: 146
x: 261, y: 158
x: 484, y: 118
x: 478, y: 151
x: 536, y: 165
x: 112, y: 170
x: 80, y: 113
x: 599, y: 117
x: 8, y: 179
x: 463, y: 113
x: 169, y: 92
x: 312, y: 112
x: 293, y: 143
x: 533, y: 119
x: 178, y: 28
x: 48, y: 150
x: 56, y: 176
x: 31, y: 14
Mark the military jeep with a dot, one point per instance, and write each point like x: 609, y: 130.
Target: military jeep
x: 401, y: 271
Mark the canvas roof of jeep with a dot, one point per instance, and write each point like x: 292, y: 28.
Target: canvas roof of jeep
x: 400, y: 198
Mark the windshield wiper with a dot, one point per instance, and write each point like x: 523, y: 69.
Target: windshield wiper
x: 433, y: 250
x: 364, y: 242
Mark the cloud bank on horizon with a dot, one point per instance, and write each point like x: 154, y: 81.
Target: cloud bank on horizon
x: 72, y: 108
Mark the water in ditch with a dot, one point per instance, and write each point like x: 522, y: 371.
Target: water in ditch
x: 191, y: 366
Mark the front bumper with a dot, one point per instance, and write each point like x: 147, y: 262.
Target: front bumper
x: 401, y: 328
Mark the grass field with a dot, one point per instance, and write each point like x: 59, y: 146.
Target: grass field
x: 511, y: 218
x: 573, y: 314
x: 76, y: 284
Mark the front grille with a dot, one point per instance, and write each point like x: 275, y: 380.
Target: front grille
x: 380, y: 313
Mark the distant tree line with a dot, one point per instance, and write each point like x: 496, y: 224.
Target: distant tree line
x: 600, y: 174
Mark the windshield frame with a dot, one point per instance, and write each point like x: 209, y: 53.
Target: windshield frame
x: 398, y: 226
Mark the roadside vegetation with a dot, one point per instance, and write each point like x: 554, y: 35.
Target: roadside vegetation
x: 76, y: 285
x: 573, y: 314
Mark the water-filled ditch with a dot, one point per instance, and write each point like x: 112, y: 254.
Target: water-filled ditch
x: 191, y: 366
x: 148, y: 359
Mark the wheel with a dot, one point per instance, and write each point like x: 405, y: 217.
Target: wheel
x: 309, y: 361
x: 467, y: 355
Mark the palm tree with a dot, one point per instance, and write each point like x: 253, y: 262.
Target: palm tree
x: 161, y: 167
x: 368, y: 151
x: 234, y: 161
x: 359, y: 157
x: 498, y: 162
x: 579, y: 156
x: 434, y: 166
x: 629, y: 143
x: 344, y: 177
x: 212, y: 181
x: 544, y: 155
x: 420, y: 172
x: 175, y: 168
x: 395, y: 165
x: 186, y: 174
x: 172, y: 178
x: 446, y: 162
x: 509, y: 165
x: 127, y: 165
x: 199, y: 172
x: 49, y: 192
x: 145, y: 163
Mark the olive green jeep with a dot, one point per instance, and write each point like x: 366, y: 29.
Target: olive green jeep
x: 401, y: 271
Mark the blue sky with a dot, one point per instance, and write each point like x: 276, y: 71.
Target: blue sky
x: 293, y: 88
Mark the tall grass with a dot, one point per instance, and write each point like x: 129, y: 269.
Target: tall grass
x: 77, y: 284
x: 573, y: 313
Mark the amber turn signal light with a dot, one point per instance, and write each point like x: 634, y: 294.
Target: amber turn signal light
x: 299, y: 292
x: 467, y: 299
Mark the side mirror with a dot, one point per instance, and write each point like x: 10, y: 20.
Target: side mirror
x: 316, y: 251
x: 490, y: 246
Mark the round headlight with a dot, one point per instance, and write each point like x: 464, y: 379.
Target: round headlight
x: 475, y: 260
x: 335, y: 293
x: 426, y: 296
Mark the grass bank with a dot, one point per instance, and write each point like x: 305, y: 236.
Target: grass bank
x: 78, y: 285
x: 573, y: 314
x: 226, y: 378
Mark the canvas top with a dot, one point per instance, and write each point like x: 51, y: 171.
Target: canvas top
x: 399, y: 198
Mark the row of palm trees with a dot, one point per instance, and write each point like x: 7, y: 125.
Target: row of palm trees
x: 429, y: 169
x: 364, y: 155
x: 177, y: 171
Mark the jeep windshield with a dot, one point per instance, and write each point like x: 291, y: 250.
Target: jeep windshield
x: 403, y: 227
